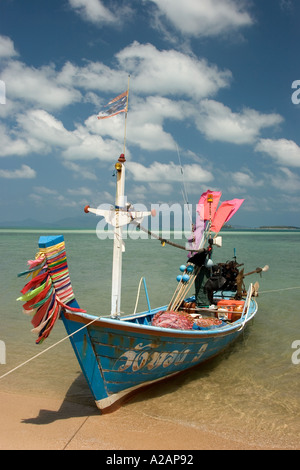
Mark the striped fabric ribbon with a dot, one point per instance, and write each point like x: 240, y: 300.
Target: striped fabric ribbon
x: 49, y: 291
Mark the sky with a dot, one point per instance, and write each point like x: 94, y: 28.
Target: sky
x: 213, y: 104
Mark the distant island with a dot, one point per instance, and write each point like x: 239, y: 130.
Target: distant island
x: 80, y: 222
x: 278, y: 227
x: 90, y: 223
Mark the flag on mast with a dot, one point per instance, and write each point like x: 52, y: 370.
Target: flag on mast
x: 205, y: 209
x: 226, y: 210
x: 115, y: 106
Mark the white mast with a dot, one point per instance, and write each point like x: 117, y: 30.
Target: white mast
x: 118, y: 240
x: 118, y: 216
x: 119, y: 246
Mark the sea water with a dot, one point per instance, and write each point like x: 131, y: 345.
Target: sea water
x: 249, y: 393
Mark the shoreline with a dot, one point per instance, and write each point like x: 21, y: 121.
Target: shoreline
x: 40, y: 423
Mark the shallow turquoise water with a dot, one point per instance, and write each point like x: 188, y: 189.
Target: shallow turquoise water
x: 251, y: 391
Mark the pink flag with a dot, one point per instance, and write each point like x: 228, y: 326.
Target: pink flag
x: 226, y: 210
x: 206, y: 209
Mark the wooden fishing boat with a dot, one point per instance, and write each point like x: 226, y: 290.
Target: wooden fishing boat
x: 119, y: 354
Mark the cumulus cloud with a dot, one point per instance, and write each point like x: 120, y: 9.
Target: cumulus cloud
x: 92, y: 147
x: 37, y: 86
x: 154, y: 71
x: 82, y: 191
x: 219, y: 123
x: 44, y: 127
x: 14, y: 143
x: 94, y: 11
x: 79, y: 171
x: 92, y: 76
x: 204, y: 17
x: 285, y: 152
x: 145, y: 123
x: 25, y: 172
x: 169, y: 72
x: 7, y: 48
x: 245, y: 179
x: 168, y: 173
x: 43, y: 190
x: 285, y: 179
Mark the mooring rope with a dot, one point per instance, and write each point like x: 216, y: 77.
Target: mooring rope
x: 48, y: 349
x: 93, y: 321
x: 279, y: 290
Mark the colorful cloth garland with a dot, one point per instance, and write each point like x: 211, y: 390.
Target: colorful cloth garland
x: 49, y: 291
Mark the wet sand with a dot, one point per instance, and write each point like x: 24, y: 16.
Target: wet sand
x: 40, y: 423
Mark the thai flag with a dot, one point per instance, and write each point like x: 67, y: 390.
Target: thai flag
x: 116, y: 106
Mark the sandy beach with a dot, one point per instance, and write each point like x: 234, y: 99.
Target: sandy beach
x: 31, y: 423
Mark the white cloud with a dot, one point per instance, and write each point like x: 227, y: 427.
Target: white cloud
x: 92, y: 147
x: 65, y: 202
x: 204, y: 17
x: 218, y: 122
x: 168, y: 173
x: 93, y: 76
x: 25, y: 172
x: 244, y: 179
x: 40, y: 132
x: 96, y: 12
x: 44, y: 195
x: 93, y: 10
x: 145, y: 123
x: 7, y: 48
x: 164, y: 73
x: 285, y: 180
x: 15, y: 142
x: 11, y: 145
x: 161, y: 188
x: 285, y: 152
x: 45, y: 128
x: 79, y: 171
x: 37, y: 132
x: 45, y: 191
x: 82, y: 191
x: 37, y: 86
x: 170, y: 72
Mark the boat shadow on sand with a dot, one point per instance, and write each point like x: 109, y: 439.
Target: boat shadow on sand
x: 78, y: 401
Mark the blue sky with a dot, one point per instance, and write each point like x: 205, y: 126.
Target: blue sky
x: 212, y: 78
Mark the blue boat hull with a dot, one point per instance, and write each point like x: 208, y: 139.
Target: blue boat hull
x: 119, y: 356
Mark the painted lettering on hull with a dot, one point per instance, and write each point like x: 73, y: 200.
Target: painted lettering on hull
x: 144, y: 356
